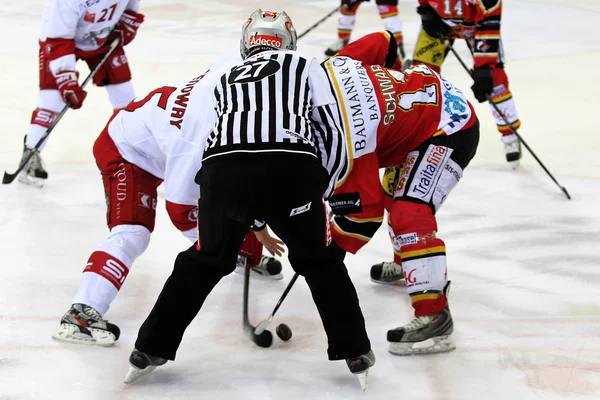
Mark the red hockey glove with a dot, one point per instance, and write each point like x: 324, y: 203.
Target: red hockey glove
x: 69, y: 88
x: 483, y: 83
x: 128, y: 25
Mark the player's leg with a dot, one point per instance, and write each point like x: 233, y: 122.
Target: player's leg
x: 388, y: 10
x: 223, y: 221
x: 430, y: 51
x: 49, y: 104
x: 436, y: 168
x: 502, y: 97
x: 298, y: 216
x: 115, y: 75
x: 346, y: 23
x: 389, y: 272
x: 131, y: 210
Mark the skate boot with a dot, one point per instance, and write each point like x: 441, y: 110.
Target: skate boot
x: 82, y: 324
x: 360, y: 365
x: 268, y: 267
x: 512, y: 149
x: 142, y: 364
x: 335, y: 48
x: 424, y: 335
x: 387, y: 273
x: 34, y: 173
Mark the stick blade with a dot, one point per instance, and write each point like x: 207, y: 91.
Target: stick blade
x: 8, y: 178
x: 260, y: 328
x: 565, y: 192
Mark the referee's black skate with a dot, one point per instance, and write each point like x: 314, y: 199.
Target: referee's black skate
x: 360, y: 365
x: 142, y: 364
x: 84, y: 325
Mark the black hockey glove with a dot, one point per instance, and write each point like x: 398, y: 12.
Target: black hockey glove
x: 432, y: 22
x: 483, y: 83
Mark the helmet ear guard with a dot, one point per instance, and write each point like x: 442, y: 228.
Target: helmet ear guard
x: 268, y: 30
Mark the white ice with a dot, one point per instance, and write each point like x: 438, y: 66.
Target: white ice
x: 523, y: 260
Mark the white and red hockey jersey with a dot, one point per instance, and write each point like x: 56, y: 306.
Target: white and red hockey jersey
x: 78, y: 27
x: 165, y: 132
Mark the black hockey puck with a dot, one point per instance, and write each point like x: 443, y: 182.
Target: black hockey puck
x: 284, y: 332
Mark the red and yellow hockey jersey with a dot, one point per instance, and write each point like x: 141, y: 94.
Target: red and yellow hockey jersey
x: 477, y: 21
x: 386, y: 114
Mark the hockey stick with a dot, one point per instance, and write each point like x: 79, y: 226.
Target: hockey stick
x: 8, y: 178
x: 350, y: 4
x: 264, y: 339
x: 260, y: 328
x: 319, y: 22
x: 495, y: 106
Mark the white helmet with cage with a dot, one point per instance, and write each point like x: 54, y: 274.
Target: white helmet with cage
x: 267, y: 30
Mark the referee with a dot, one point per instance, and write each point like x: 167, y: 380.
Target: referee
x: 276, y: 147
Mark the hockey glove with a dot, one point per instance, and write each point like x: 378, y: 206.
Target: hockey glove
x: 432, y: 22
x: 69, y: 88
x: 128, y: 25
x: 483, y: 83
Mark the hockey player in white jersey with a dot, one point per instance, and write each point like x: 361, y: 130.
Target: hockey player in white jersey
x: 73, y: 30
x: 160, y: 137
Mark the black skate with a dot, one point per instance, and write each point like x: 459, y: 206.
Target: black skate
x: 360, y: 365
x: 142, y: 364
x: 424, y: 335
x: 387, y: 273
x: 336, y: 47
x: 82, y: 324
x: 34, y: 173
x: 268, y: 267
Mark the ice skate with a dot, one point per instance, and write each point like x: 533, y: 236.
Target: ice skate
x: 424, y: 335
x: 387, y: 273
x: 141, y: 364
x: 336, y: 46
x: 34, y: 173
x: 268, y: 267
x: 360, y: 365
x: 84, y: 325
x: 512, y: 149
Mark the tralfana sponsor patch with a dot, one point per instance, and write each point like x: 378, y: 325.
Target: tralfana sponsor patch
x: 345, y: 203
x: 427, y: 172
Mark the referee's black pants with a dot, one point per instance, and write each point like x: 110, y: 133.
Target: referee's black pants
x: 286, y: 191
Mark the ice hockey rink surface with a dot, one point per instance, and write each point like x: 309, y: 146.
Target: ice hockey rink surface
x: 523, y: 260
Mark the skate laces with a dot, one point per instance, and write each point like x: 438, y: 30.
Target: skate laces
x: 418, y: 323
x: 390, y: 268
x: 36, y: 161
x: 88, y: 312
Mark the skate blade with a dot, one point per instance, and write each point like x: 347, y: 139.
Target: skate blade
x: 362, y: 379
x: 31, y: 181
x: 441, y: 344
x: 514, y: 164
x: 71, y: 334
x: 135, y: 373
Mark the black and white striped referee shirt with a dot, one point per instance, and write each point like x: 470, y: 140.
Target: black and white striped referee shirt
x: 278, y: 101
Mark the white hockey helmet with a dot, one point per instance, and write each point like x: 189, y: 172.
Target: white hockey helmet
x: 267, y: 30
